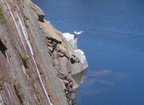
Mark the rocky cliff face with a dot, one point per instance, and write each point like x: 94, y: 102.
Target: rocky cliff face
x: 38, y: 65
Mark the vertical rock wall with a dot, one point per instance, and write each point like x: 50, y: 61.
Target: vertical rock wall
x: 37, y: 64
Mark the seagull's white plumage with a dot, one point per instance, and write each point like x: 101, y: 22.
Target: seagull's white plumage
x: 78, y: 32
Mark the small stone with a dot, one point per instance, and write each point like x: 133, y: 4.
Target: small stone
x: 61, y: 54
x: 73, y: 96
x: 41, y: 18
x: 50, y: 49
x: 61, y: 75
x: 66, y: 85
x: 70, y: 102
x: 65, y: 90
x: 70, y: 89
x: 57, y: 68
x: 68, y: 95
x: 56, y: 61
x: 65, y: 81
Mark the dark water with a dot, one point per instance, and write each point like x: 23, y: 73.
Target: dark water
x: 113, y: 41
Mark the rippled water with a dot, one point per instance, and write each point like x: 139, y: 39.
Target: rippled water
x: 113, y: 41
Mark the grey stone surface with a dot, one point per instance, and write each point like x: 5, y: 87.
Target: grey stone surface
x: 63, y: 62
x: 1, y: 100
x: 39, y: 45
x: 76, y: 68
x: 61, y: 67
x: 39, y: 12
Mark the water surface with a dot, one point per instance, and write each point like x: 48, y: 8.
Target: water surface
x: 113, y: 41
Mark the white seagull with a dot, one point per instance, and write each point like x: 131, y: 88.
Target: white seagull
x: 78, y: 32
